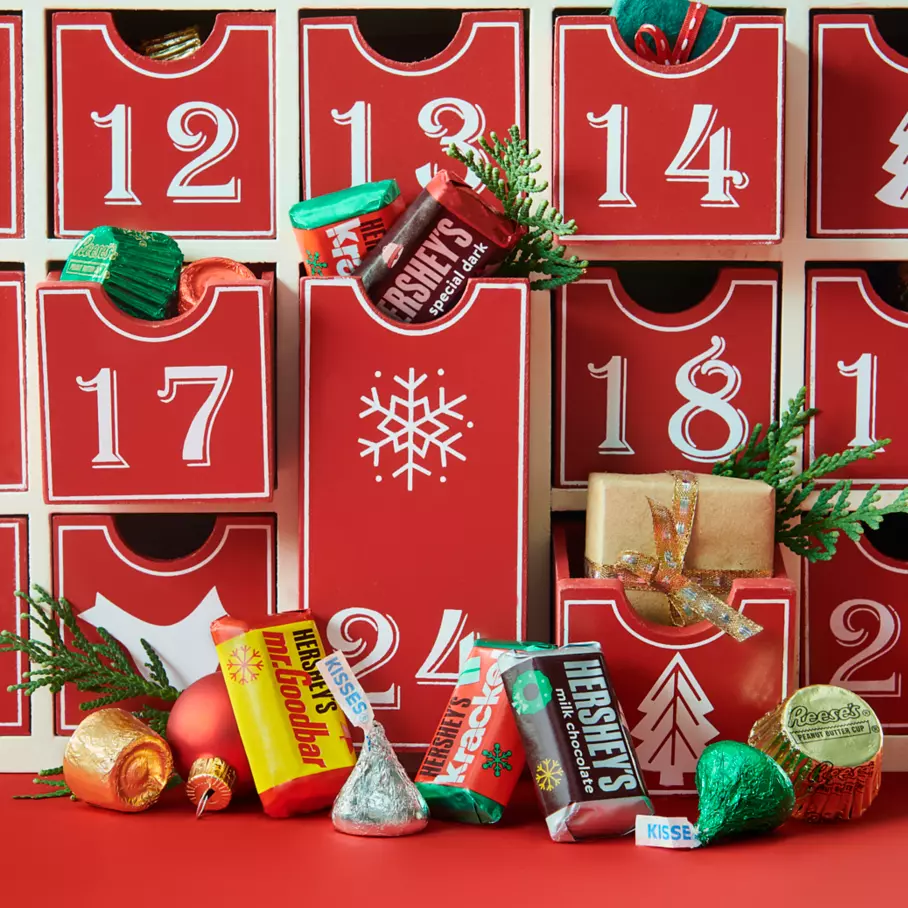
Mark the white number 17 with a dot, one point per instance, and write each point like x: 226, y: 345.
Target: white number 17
x: 196, y: 445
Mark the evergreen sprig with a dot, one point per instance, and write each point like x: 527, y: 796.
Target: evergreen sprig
x: 509, y: 175
x: 810, y: 531
x: 98, y: 668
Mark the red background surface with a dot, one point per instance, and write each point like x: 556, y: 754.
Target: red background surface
x: 165, y: 857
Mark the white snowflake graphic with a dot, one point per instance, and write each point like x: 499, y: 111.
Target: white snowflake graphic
x: 413, y: 426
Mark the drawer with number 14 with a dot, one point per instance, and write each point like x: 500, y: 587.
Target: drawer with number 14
x: 646, y: 152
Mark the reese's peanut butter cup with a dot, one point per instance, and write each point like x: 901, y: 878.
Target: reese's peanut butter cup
x: 830, y: 743
x: 173, y: 45
x: 335, y: 231
x: 448, y: 234
x: 139, y: 270
x: 198, y: 275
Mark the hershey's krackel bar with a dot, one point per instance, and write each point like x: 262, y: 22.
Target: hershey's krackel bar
x: 419, y: 269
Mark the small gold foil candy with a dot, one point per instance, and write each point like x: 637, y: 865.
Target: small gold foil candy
x: 210, y: 785
x: 830, y: 743
x: 115, y: 761
x: 174, y: 45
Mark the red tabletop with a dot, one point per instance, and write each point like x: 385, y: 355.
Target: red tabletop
x: 62, y: 853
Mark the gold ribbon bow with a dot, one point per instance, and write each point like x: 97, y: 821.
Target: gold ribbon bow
x: 692, y: 594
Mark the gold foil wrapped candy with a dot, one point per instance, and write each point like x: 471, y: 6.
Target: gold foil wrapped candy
x: 113, y: 760
x: 830, y: 743
x: 174, y: 45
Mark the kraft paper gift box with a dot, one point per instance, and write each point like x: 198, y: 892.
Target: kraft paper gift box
x: 733, y: 528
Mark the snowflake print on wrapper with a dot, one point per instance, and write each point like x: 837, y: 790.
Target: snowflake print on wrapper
x: 244, y: 664
x: 549, y: 774
x: 497, y: 760
x: 413, y: 426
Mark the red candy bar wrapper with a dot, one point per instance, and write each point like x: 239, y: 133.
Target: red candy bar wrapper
x: 297, y: 740
x: 419, y: 269
x: 475, y: 758
x: 578, y: 747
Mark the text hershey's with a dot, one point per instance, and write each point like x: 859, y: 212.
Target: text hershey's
x: 306, y: 729
x: 439, y: 756
x: 596, y: 737
x: 434, y: 272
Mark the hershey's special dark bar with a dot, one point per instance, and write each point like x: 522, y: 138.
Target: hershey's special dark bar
x: 419, y: 269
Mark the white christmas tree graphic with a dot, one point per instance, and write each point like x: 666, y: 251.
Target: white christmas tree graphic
x: 895, y: 192
x: 674, y: 731
x: 413, y: 426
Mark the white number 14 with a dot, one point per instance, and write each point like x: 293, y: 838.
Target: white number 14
x: 718, y: 175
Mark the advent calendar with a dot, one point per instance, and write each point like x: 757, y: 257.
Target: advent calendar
x: 419, y: 486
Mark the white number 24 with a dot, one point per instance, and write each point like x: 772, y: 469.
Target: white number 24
x: 718, y: 175
x: 196, y: 445
x: 341, y: 636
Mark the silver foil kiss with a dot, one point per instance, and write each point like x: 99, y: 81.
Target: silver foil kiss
x: 378, y: 798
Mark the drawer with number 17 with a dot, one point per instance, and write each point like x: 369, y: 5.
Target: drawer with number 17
x: 646, y: 152
x: 137, y: 410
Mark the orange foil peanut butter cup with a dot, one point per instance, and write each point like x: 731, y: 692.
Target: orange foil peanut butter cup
x: 830, y: 743
x: 115, y: 761
x: 197, y: 276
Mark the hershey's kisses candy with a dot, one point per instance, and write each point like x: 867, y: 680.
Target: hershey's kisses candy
x: 378, y: 799
x: 741, y: 791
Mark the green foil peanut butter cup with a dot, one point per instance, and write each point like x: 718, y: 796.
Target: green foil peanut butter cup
x: 830, y: 743
x: 139, y: 270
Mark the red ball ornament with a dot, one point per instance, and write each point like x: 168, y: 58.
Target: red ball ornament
x: 202, y: 725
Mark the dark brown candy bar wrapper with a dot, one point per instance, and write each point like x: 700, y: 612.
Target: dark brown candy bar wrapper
x: 578, y: 746
x: 419, y: 269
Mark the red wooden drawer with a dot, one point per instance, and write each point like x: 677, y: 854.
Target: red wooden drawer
x: 853, y: 610
x: 152, y: 411
x: 185, y: 146
x: 11, y: 223
x: 414, y: 465
x: 646, y: 152
x: 15, y: 707
x: 13, y: 472
x: 365, y: 117
x: 638, y: 391
x: 680, y: 688
x: 856, y: 375
x: 171, y: 604
x: 859, y: 174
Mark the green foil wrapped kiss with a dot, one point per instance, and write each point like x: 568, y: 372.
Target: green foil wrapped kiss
x: 742, y: 790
